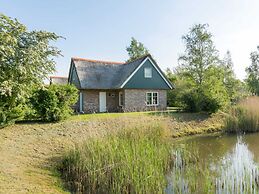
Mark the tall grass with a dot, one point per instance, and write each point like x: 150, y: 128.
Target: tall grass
x: 130, y: 161
x: 244, y: 117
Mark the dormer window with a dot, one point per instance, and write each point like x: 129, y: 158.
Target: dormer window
x: 147, y: 72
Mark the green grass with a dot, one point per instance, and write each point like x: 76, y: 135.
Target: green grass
x: 181, y: 124
x: 132, y: 161
x: 82, y: 117
x: 31, y: 150
x: 136, y: 153
x: 244, y: 117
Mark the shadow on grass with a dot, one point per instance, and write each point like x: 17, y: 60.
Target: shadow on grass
x: 50, y: 169
x: 31, y: 122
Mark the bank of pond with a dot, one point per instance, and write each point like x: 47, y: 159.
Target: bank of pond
x: 202, y: 164
x: 148, y: 160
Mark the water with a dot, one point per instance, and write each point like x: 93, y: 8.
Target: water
x: 215, y: 164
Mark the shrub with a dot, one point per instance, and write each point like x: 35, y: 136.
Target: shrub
x: 199, y: 100
x: 131, y: 161
x: 244, y: 117
x: 190, y: 100
x: 54, y: 103
x: 8, y: 115
x: 209, y: 104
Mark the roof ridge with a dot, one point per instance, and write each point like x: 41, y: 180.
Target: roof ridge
x: 142, y: 57
x: 96, y: 61
x: 58, y: 76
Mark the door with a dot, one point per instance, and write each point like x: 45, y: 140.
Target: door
x: 102, y: 101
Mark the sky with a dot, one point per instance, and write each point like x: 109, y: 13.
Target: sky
x: 101, y: 29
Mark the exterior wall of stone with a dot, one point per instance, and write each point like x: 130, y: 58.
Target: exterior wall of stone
x: 135, y: 100
x: 91, y: 101
x: 75, y: 107
x: 112, y: 100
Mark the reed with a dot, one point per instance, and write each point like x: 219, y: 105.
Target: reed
x: 130, y: 161
x: 244, y: 117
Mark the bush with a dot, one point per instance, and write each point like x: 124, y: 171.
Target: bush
x: 244, y: 117
x: 199, y: 100
x: 54, y: 103
x: 190, y: 101
x: 8, y: 114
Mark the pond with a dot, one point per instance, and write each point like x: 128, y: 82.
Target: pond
x: 215, y: 164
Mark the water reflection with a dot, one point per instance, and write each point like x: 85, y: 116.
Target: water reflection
x: 238, y: 173
x: 224, y: 165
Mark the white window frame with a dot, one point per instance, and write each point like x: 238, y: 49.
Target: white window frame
x: 146, y: 75
x: 152, y: 103
x: 120, y: 102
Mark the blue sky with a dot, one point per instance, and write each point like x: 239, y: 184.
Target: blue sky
x: 102, y: 29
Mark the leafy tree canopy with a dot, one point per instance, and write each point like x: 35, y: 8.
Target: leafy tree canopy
x: 235, y: 88
x: 136, y: 50
x: 26, y: 58
x: 253, y: 73
x: 200, y: 53
x: 200, y: 67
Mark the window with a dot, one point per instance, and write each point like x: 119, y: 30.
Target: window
x: 121, y: 99
x: 147, y: 72
x: 151, y: 98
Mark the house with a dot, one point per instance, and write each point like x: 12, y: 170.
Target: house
x: 105, y: 86
x: 58, y: 80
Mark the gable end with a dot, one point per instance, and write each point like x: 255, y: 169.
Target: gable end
x: 154, y: 67
x: 73, y: 77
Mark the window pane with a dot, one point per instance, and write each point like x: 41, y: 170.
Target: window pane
x: 155, y: 98
x: 148, y: 72
x: 121, y: 99
x: 149, y: 98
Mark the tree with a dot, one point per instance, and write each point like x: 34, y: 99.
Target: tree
x: 136, y: 50
x: 200, y: 67
x: 253, y: 73
x: 26, y: 58
x: 200, y: 53
x: 174, y: 97
x: 230, y: 81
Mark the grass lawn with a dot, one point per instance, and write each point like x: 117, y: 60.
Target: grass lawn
x: 31, y: 151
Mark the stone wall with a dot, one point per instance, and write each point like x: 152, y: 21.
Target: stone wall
x: 91, y: 101
x: 135, y: 100
x: 112, y: 100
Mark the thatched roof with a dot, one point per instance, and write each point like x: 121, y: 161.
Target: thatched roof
x: 94, y: 74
